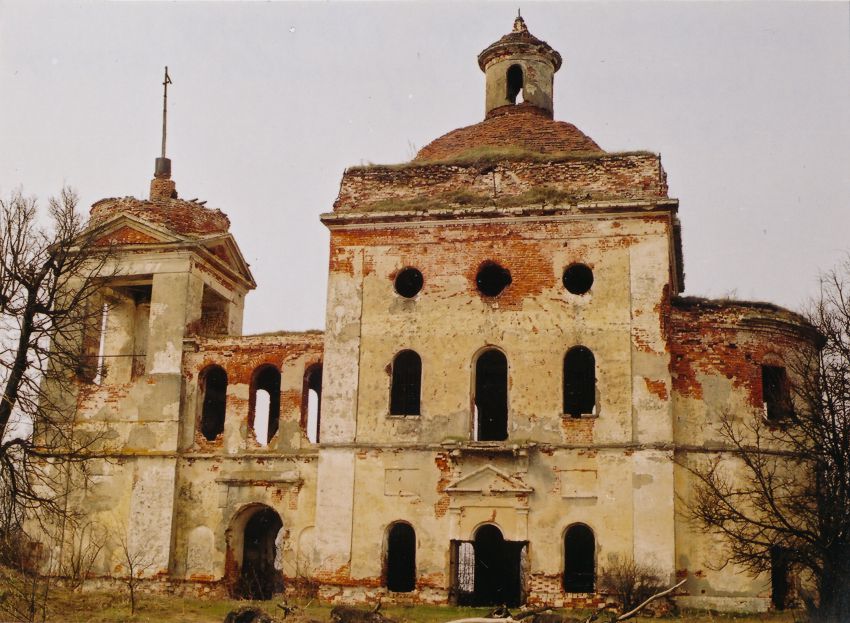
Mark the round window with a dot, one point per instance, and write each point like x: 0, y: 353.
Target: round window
x: 492, y: 279
x: 578, y: 278
x: 409, y: 282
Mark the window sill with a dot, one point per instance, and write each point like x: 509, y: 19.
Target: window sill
x: 583, y: 416
x: 395, y: 416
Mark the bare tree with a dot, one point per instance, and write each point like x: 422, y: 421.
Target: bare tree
x: 23, y: 590
x: 629, y: 581
x: 85, y: 542
x: 51, y: 270
x: 782, y: 501
x: 137, y: 562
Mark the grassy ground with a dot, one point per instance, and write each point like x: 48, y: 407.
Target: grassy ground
x: 102, y: 607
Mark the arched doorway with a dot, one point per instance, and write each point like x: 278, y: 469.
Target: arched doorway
x: 401, y: 558
x: 579, y: 559
x: 253, y: 543
x: 488, y: 571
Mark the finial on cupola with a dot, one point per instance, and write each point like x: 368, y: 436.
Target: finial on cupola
x: 162, y: 186
x: 519, y: 23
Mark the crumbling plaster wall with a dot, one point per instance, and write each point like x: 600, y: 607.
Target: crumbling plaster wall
x: 538, y: 76
x: 717, y: 351
x: 598, y: 462
x: 138, y: 420
x: 218, y: 480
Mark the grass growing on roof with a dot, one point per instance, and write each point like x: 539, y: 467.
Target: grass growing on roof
x: 491, y: 154
x: 539, y: 195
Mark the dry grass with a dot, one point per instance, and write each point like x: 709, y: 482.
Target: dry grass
x: 458, y: 199
x: 112, y: 607
x: 488, y: 154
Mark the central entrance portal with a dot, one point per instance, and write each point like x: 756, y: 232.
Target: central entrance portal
x: 488, y: 571
x: 258, y: 577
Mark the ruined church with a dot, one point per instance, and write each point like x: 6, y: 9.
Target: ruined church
x: 509, y: 382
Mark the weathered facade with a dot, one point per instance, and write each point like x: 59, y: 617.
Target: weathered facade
x: 507, y: 373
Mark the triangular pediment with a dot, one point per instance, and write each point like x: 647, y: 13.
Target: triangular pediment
x: 219, y: 250
x: 488, y: 480
x: 223, y: 250
x: 129, y: 230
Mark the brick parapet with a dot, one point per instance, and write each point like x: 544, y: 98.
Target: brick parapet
x: 634, y: 176
x: 731, y: 339
x: 183, y: 217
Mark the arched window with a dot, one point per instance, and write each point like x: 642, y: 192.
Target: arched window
x: 264, y: 403
x: 213, y: 385
x: 401, y: 558
x: 579, y: 381
x: 490, y: 421
x: 312, y: 414
x: 515, y: 82
x: 776, y: 393
x: 579, y: 559
x: 406, y: 383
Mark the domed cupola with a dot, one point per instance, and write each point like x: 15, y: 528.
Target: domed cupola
x: 519, y: 68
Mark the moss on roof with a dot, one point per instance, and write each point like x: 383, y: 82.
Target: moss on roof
x: 488, y: 155
x: 539, y: 195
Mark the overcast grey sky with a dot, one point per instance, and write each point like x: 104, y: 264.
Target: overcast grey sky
x: 748, y: 104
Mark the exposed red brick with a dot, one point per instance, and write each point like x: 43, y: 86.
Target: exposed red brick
x: 730, y: 338
x: 183, y: 217
x: 524, y: 127
x: 629, y: 176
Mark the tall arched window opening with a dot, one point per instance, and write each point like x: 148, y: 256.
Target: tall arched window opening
x: 579, y: 559
x: 515, y: 82
x: 312, y: 414
x: 401, y: 558
x: 776, y: 393
x: 579, y: 382
x: 490, y: 422
x: 264, y: 403
x: 406, y: 383
x: 213, y: 385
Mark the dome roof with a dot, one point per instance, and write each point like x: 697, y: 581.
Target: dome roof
x: 522, y: 127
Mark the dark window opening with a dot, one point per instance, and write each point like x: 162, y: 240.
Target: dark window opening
x: 578, y: 278
x: 312, y: 413
x: 401, y: 558
x: 776, y: 393
x: 213, y: 383
x: 579, y: 560
x: 515, y: 82
x: 779, y: 585
x: 492, y: 279
x: 579, y: 382
x: 258, y: 577
x: 489, y: 570
x: 264, y: 403
x: 491, y: 397
x: 409, y: 282
x: 406, y: 383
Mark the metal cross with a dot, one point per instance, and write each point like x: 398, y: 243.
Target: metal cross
x: 165, y: 84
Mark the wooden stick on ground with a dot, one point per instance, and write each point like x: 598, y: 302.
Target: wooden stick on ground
x: 631, y: 613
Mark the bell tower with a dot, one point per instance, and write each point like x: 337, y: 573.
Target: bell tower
x: 519, y: 68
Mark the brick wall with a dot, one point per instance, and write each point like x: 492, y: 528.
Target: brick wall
x: 636, y: 176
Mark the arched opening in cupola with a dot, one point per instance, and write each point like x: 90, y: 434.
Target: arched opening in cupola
x: 516, y: 82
